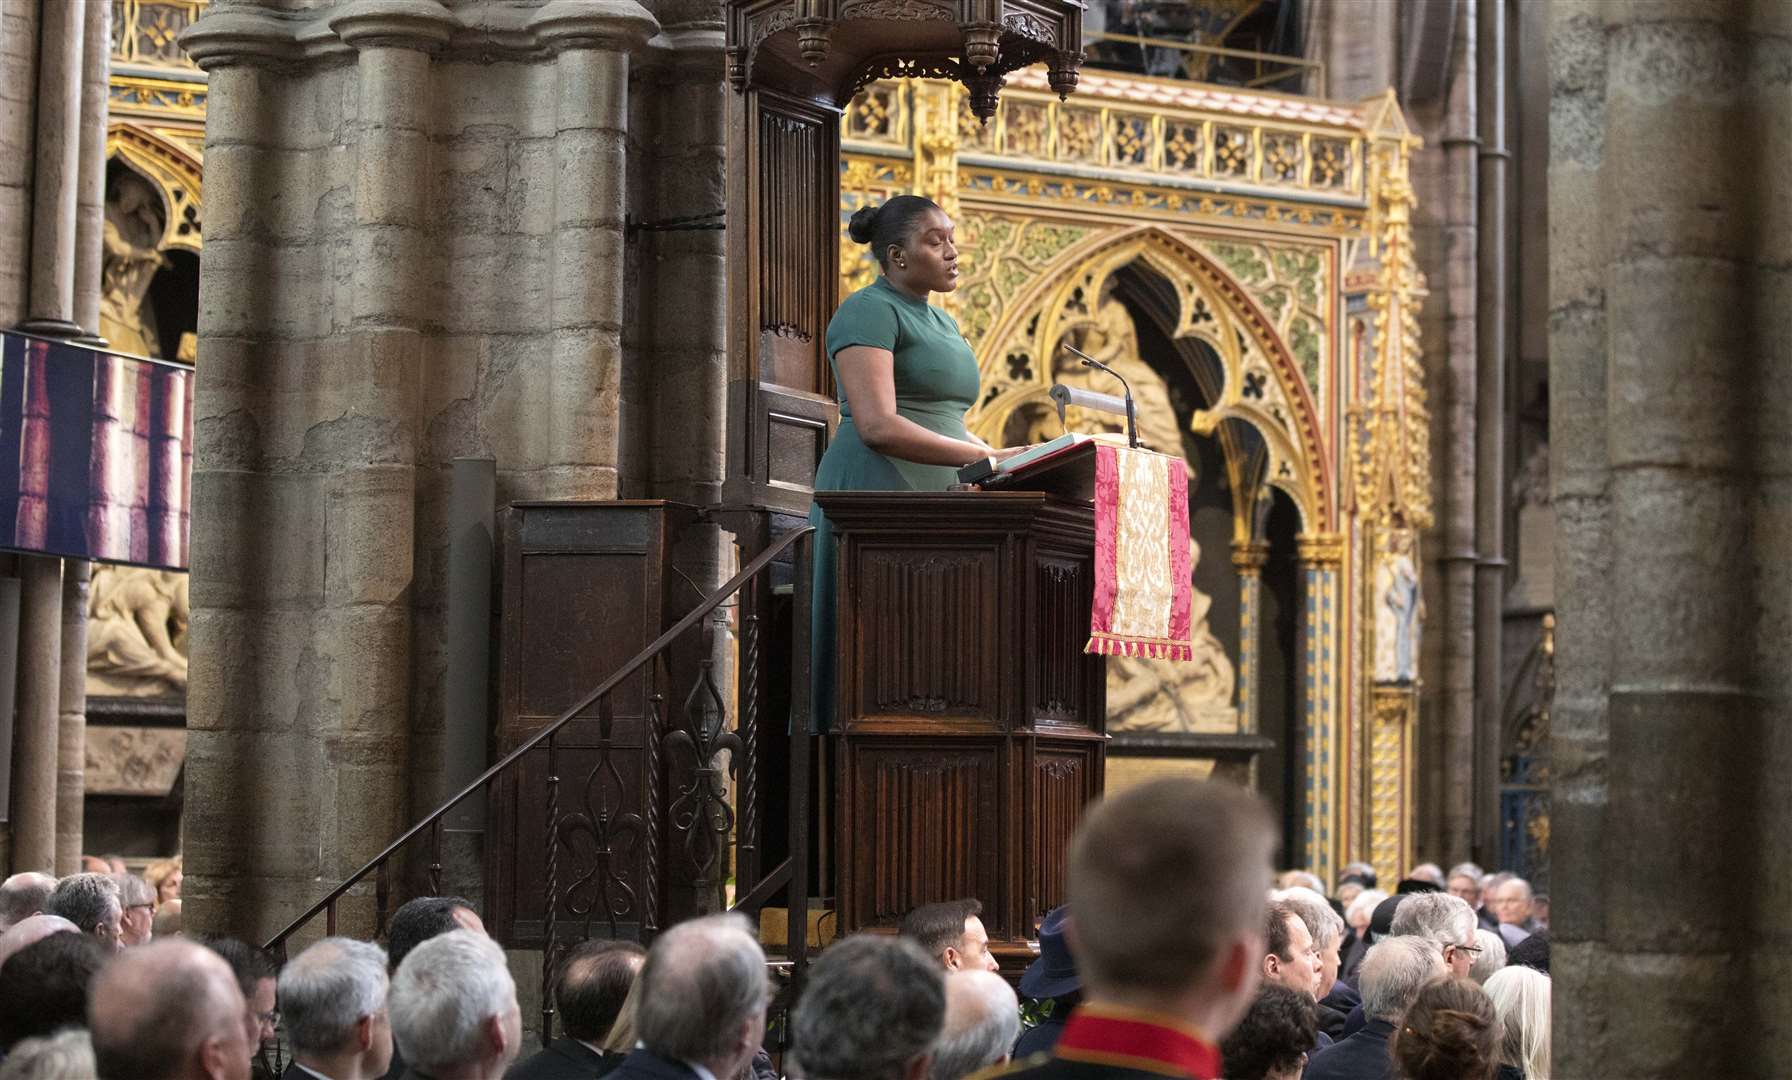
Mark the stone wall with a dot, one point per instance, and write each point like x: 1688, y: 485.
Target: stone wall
x: 1673, y: 493
x: 414, y: 251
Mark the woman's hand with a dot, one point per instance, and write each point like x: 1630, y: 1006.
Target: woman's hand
x: 1008, y: 452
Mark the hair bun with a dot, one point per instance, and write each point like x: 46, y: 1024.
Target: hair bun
x: 860, y: 225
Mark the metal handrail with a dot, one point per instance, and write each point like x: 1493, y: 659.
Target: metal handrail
x: 1294, y: 65
x: 658, y: 645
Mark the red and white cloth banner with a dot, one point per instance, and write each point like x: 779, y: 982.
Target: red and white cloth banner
x: 1143, y: 593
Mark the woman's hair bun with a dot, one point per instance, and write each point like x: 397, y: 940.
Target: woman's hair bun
x: 862, y: 221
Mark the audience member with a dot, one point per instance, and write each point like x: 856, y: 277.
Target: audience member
x: 254, y: 974
x: 32, y: 928
x: 873, y: 1010
x: 1532, y: 952
x: 1416, y: 886
x: 1443, y: 920
x: 1168, y: 881
x: 701, y: 1000
x: 593, y: 981
x: 951, y: 932
x: 1464, y: 883
x: 1289, y: 958
x: 1428, y: 872
x: 22, y: 896
x: 90, y: 901
x: 137, y: 924
x: 453, y: 1009
x: 1347, y: 894
x: 415, y: 922
x: 1393, y: 973
x: 1299, y: 879
x: 1489, y: 886
x: 1520, y: 998
x: 1362, y: 872
x: 164, y: 876
x: 169, y: 1010
x: 1052, y: 981
x: 1511, y: 902
x: 167, y: 922
x: 1449, y: 1033
x: 1335, y: 998
x: 1540, y: 912
x: 67, y: 1055
x: 1492, y: 956
x: 621, y: 1040
x: 982, y: 1023
x: 1372, y: 928
x: 333, y: 1005
x: 1271, y: 1042
x: 95, y: 864
x: 43, y: 986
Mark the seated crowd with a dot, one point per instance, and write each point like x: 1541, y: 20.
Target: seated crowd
x: 1174, y: 955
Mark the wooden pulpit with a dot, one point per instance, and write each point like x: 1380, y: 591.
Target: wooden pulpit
x: 969, y: 721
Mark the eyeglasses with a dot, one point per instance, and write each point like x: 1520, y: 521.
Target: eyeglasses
x: 271, y: 1018
x: 1473, y: 949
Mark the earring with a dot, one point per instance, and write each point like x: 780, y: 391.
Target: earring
x: 901, y: 264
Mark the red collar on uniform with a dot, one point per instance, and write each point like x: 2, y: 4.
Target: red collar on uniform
x: 1136, y: 1039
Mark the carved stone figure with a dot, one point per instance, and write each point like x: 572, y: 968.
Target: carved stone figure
x: 136, y: 632
x: 133, y: 231
x: 1398, y: 607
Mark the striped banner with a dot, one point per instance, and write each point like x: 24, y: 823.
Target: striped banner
x: 1143, y: 593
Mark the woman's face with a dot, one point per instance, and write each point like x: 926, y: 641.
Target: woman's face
x: 928, y: 262
x: 171, y: 886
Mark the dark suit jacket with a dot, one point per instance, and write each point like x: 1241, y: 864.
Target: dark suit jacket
x: 293, y: 1072
x: 563, y: 1059
x: 1334, y: 1009
x: 1363, y: 1056
x: 1041, y: 1038
x: 647, y: 1065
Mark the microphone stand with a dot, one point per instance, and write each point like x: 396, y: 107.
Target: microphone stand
x: 1132, y: 426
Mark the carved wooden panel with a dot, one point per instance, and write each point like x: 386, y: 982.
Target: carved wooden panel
x: 1060, y: 628
x: 927, y: 640
x: 1064, y: 780
x: 926, y: 825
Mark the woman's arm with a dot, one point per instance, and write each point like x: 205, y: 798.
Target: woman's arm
x: 868, y: 384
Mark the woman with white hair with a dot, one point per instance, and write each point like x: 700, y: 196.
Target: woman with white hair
x: 1521, y: 998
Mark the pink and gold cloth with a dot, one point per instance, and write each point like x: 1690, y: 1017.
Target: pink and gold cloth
x: 1143, y: 592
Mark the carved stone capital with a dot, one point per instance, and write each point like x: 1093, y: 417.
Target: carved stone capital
x: 1249, y: 556
x: 423, y: 25
x: 1322, y: 551
x: 221, y: 38
x: 593, y: 24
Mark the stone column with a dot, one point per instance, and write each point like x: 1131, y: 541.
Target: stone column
x: 35, y: 738
x: 1248, y: 558
x: 1316, y: 665
x: 57, y: 181
x: 18, y: 111
x: 1672, y: 234
x: 71, y: 764
x: 90, y: 202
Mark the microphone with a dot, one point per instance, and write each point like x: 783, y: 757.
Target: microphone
x: 1132, y: 426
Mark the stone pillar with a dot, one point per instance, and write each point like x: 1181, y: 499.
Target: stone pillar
x: 35, y: 738
x: 57, y: 181
x: 71, y: 757
x: 1249, y: 558
x: 1671, y: 235
x: 1444, y: 235
x: 1317, y: 679
x: 454, y: 288
x: 18, y: 112
x: 90, y: 201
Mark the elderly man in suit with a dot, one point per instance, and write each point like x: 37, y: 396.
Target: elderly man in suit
x: 592, y: 984
x: 1393, y: 973
x: 333, y: 1001
x: 1169, y: 882
x: 700, y: 1014
x: 454, y: 1011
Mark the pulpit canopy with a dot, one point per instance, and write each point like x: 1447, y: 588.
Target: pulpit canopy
x: 830, y: 49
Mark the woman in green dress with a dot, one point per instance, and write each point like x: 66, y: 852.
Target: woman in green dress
x: 906, y: 376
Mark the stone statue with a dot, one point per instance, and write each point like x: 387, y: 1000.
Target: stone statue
x: 136, y: 632
x: 1398, y: 607
x: 132, y: 232
x: 1167, y: 695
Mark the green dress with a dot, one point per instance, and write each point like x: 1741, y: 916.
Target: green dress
x: 936, y: 382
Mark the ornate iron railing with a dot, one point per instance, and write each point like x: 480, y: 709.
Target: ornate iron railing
x: 697, y: 806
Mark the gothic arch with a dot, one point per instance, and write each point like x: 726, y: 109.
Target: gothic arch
x: 1262, y: 385
x: 172, y: 170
